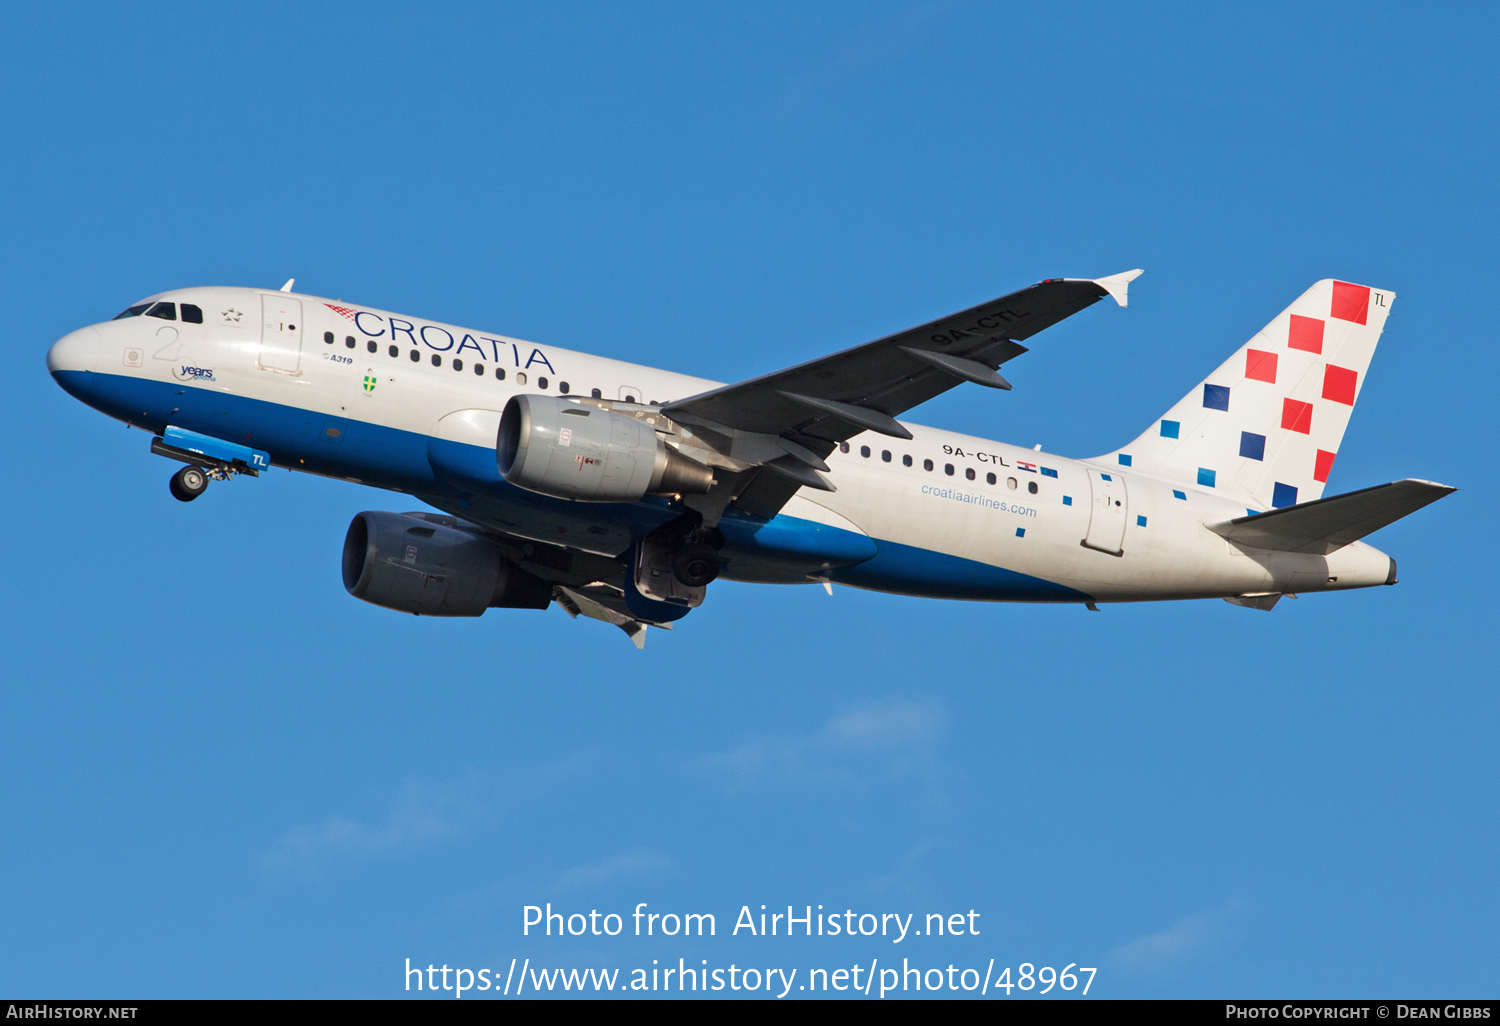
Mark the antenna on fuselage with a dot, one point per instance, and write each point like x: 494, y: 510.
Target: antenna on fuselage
x: 288, y: 286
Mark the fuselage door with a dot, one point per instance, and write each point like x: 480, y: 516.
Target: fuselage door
x: 1107, y: 512
x: 280, y: 334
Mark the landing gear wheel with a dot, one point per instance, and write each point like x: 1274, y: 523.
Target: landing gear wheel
x: 695, y: 564
x: 188, y: 483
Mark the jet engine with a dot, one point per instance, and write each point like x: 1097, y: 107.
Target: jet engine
x: 433, y: 567
x: 572, y: 451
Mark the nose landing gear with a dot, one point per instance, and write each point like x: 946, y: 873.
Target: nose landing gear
x: 188, y: 483
x: 207, y: 458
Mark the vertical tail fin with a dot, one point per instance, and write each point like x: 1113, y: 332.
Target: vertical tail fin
x: 1266, y: 425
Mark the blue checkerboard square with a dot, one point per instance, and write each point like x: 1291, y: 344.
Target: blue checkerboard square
x: 1252, y: 446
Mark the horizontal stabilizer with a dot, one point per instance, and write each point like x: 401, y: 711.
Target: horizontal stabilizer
x: 1264, y: 600
x: 1324, y: 525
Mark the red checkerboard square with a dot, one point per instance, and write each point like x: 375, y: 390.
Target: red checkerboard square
x: 1296, y: 416
x: 1350, y: 302
x: 1260, y: 366
x: 1338, y: 384
x: 1305, y: 333
x: 1322, y: 465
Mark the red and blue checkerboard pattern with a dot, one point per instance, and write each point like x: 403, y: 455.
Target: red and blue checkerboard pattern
x: 1268, y: 422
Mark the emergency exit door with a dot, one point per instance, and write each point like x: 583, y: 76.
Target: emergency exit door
x: 1107, y: 513
x: 280, y: 334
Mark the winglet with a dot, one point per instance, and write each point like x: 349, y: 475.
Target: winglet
x: 1118, y: 285
x: 290, y: 281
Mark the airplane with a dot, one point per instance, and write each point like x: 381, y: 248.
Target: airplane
x: 621, y: 492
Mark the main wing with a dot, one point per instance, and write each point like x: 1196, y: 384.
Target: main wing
x: 789, y: 420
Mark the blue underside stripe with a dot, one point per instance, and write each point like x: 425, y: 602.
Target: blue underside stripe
x: 463, y: 480
x: 915, y: 571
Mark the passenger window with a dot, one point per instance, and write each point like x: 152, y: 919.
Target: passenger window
x: 458, y: 365
x: 166, y: 311
x: 328, y: 337
x: 969, y: 473
x: 989, y: 478
x: 906, y: 461
x: 630, y: 398
x: 349, y: 342
x: 948, y: 469
x: 926, y: 464
x: 562, y: 386
x: 134, y: 311
x: 437, y: 361
x: 394, y: 351
x: 416, y: 357
x: 843, y: 447
x: 597, y: 394
x: 479, y: 369
x: 1010, y: 483
x: 371, y: 346
x: 520, y: 377
x: 1031, y: 487
x: 192, y: 314
x: 499, y: 373
x: 541, y: 383
x: 885, y: 454
x: 864, y: 450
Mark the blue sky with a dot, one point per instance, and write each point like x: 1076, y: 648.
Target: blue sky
x: 224, y: 777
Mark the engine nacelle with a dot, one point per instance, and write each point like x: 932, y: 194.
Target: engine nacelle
x: 572, y: 451
x: 432, y: 567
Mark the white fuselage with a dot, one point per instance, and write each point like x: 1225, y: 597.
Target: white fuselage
x: 258, y: 368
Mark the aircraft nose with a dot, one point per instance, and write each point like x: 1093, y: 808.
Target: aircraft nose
x: 75, y: 351
x: 71, y: 360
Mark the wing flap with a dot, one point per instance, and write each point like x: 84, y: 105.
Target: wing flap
x: 1325, y: 525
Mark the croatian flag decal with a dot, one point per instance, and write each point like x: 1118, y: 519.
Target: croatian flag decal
x: 1026, y: 466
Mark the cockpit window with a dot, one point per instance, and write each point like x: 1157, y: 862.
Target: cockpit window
x: 192, y: 314
x: 166, y: 311
x: 134, y: 311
